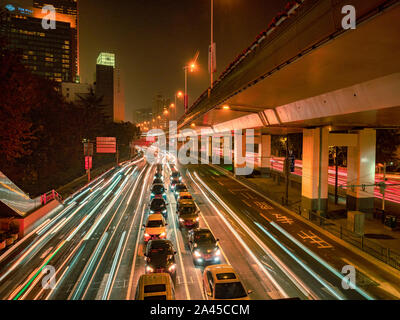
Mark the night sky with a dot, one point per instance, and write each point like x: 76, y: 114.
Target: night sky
x: 154, y: 39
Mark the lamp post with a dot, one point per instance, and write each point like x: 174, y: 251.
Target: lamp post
x: 178, y: 95
x: 212, y: 46
x: 191, y: 66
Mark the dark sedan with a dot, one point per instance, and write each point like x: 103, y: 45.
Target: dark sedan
x: 158, y: 205
x: 160, y: 257
x: 204, y: 247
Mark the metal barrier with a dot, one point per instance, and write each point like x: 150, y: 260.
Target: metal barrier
x: 371, y: 247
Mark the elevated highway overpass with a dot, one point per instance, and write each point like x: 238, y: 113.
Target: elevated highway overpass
x: 306, y: 73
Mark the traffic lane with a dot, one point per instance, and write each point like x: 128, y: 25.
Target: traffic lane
x: 239, y: 257
x: 74, y: 286
x: 376, y: 282
x: 14, y: 252
x: 123, y: 284
x: 246, y: 205
x: 187, y: 281
x: 76, y: 242
x: 103, y: 281
x: 190, y: 278
x: 58, y: 236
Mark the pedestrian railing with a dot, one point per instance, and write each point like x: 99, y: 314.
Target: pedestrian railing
x: 49, y: 196
x: 384, y: 254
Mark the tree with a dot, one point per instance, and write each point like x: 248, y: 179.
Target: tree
x: 17, y: 98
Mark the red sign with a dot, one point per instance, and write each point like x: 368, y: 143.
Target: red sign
x: 88, y: 162
x: 106, y: 144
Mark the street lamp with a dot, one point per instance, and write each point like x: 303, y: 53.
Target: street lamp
x: 177, y: 95
x: 191, y: 67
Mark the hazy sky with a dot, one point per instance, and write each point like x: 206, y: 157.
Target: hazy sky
x: 154, y: 39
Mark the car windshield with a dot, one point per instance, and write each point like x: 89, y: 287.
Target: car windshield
x: 180, y: 188
x: 230, y: 290
x: 157, y: 205
x: 158, y: 189
x: 186, y: 197
x: 151, y: 288
x: 159, y: 250
x: 187, y: 209
x: 204, y: 238
x: 155, y: 224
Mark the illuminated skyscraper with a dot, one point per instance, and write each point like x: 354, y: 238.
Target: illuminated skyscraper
x: 68, y: 8
x: 109, y: 86
x: 46, y: 52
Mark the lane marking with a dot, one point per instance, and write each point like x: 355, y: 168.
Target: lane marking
x: 129, y: 291
x: 314, y: 239
x: 320, y: 260
x: 241, y: 241
x: 114, y: 265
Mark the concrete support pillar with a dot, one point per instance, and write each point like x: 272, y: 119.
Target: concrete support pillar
x: 205, y: 150
x: 227, y: 148
x: 314, y: 189
x: 215, y: 147
x: 264, y: 153
x: 361, y: 171
x: 239, y: 152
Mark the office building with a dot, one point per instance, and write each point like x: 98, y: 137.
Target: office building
x: 73, y: 92
x: 109, y: 86
x: 46, y: 52
x: 67, y: 8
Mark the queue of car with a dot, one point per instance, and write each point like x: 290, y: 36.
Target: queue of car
x: 220, y: 281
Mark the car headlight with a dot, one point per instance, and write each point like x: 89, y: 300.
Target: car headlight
x: 180, y: 178
x: 172, y: 268
x: 163, y: 234
x: 151, y: 211
x: 165, y: 211
x: 197, y: 254
x: 146, y: 235
x: 152, y: 194
x: 149, y: 269
x: 164, y: 193
x: 218, y: 252
x: 181, y: 220
x: 197, y: 219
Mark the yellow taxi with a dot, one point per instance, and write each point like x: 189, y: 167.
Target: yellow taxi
x: 155, y: 228
x: 155, y: 286
x: 221, y: 282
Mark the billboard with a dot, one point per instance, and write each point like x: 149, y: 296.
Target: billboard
x: 106, y: 145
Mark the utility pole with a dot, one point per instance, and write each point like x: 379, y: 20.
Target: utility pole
x: 336, y: 175
x: 383, y: 189
x: 287, y: 173
x: 212, y: 46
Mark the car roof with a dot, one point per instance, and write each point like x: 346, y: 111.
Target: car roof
x: 159, y: 243
x: 155, y: 216
x: 222, y: 268
x: 155, y: 278
x: 201, y: 231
